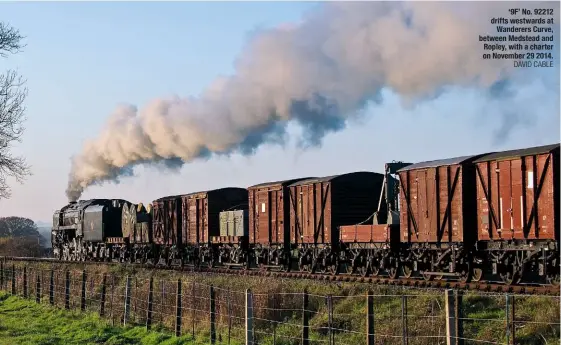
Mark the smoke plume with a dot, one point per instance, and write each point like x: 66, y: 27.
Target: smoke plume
x: 317, y: 72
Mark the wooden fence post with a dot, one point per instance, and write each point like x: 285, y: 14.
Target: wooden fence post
x: 83, y: 297
x: 229, y: 307
x: 193, y: 304
x: 369, y: 318
x: 249, y: 318
x: 212, y: 316
x: 52, y: 288
x: 404, y: 319
x: 449, y: 302
x: 24, y: 281
x: 37, y: 288
x: 13, y: 279
x: 67, y: 291
x: 510, y: 324
x: 150, y: 303
x: 178, y: 310
x: 111, y: 301
x: 305, y: 320
x: 103, y: 291
x: 458, y: 317
x: 127, y: 300
x: 330, y: 319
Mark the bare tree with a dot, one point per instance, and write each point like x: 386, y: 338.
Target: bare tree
x: 12, y: 95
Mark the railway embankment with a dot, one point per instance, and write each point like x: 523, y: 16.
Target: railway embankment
x: 238, y: 309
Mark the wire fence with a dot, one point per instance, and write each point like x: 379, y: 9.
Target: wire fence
x: 219, y: 315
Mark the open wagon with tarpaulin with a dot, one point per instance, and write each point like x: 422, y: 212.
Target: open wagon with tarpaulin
x: 518, y: 212
x: 319, y: 206
x: 200, y: 225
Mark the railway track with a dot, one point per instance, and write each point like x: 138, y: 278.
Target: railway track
x: 491, y: 287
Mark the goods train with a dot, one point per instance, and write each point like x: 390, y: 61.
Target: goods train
x: 472, y: 218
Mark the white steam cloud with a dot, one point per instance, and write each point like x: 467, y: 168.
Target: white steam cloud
x: 318, y: 73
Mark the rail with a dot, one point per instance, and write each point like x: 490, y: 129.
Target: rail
x: 530, y: 289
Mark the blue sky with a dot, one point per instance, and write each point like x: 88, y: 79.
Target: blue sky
x: 84, y: 59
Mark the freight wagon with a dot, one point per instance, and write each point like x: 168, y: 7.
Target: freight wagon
x: 184, y: 224
x: 319, y: 206
x: 517, y: 209
x: 467, y: 218
x: 269, y: 223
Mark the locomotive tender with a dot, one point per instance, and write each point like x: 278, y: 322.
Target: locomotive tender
x: 468, y: 218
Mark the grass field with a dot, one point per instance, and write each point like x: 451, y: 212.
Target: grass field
x: 24, y: 322
x: 278, y: 311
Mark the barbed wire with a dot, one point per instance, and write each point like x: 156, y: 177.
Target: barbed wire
x: 198, y: 308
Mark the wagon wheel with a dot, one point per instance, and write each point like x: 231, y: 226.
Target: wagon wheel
x: 427, y: 277
x: 466, y: 273
x: 407, y: 270
x: 263, y: 267
x: 477, y: 274
x: 350, y: 267
x: 211, y: 261
x: 333, y: 268
x: 245, y: 264
x: 281, y: 263
x: 511, y: 276
x: 373, y: 267
x: 553, y: 279
x: 393, y: 272
x: 362, y: 267
x: 356, y: 262
x: 363, y: 270
x: 285, y: 266
x: 304, y: 267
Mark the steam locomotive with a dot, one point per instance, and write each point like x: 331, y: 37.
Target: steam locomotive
x: 471, y: 218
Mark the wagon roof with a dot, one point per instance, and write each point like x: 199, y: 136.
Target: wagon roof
x: 530, y: 151
x: 332, y: 177
x: 440, y: 162
x: 281, y: 182
x: 202, y: 191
